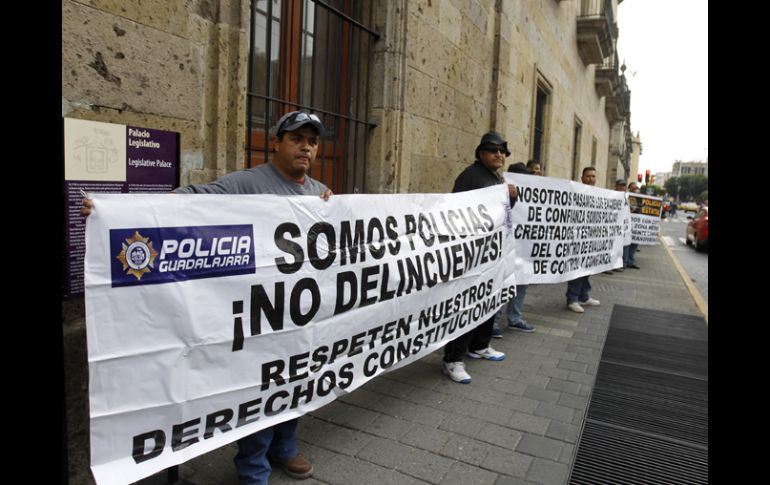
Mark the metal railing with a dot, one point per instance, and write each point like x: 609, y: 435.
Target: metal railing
x: 611, y: 63
x: 600, y: 9
x: 597, y: 8
x: 313, y: 55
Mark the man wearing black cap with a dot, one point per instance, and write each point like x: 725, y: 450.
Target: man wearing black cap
x: 490, y: 157
x: 295, y: 137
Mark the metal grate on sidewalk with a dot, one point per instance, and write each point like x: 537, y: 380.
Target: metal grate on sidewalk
x: 647, y: 420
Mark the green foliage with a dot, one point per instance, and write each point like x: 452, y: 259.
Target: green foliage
x: 657, y: 190
x: 688, y: 187
x: 672, y: 185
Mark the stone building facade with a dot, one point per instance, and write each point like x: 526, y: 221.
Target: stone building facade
x: 636, y: 151
x: 680, y: 168
x: 438, y: 74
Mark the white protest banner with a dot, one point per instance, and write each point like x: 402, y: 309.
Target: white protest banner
x: 210, y: 317
x: 625, y: 217
x: 563, y: 230
x: 645, y: 218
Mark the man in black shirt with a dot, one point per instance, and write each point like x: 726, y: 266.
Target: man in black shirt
x: 490, y: 157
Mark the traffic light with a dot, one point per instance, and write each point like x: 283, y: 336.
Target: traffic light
x: 646, y: 176
x: 639, y: 178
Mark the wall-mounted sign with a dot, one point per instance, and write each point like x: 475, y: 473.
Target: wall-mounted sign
x: 110, y: 158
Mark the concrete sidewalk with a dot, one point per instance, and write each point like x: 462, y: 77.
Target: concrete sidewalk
x: 517, y: 422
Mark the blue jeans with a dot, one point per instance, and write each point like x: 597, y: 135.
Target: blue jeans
x: 628, y: 254
x: 496, y: 320
x: 280, y: 441
x: 514, y: 306
x: 577, y: 289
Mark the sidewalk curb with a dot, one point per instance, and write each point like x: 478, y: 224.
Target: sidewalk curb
x: 699, y: 302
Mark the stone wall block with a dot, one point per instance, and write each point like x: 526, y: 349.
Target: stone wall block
x: 118, y: 63
x: 387, y: 156
x: 427, y: 9
x: 450, y: 22
x: 388, y: 20
x: 430, y: 175
x: 471, y: 115
x: 419, y: 93
x: 386, y: 81
x: 478, y: 14
x: 442, y: 102
x: 423, y: 135
x: 477, y: 45
x: 164, y: 15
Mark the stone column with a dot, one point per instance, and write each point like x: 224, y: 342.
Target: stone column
x: 388, y: 161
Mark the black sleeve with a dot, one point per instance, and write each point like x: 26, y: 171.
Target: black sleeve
x: 463, y: 183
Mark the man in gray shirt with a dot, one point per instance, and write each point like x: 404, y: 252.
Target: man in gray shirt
x: 295, y: 137
x: 296, y: 145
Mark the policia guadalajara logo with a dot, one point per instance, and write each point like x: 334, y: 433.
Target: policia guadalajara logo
x: 137, y: 255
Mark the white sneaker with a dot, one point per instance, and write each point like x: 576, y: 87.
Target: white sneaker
x: 456, y: 372
x: 575, y: 307
x: 489, y: 353
x: 590, y: 302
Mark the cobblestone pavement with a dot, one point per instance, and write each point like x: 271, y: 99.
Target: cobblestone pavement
x: 517, y: 422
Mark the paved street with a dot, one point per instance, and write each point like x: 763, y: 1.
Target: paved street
x: 518, y: 422
x: 693, y: 262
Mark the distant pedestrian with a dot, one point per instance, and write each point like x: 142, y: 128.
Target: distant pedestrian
x: 620, y: 186
x: 534, y: 166
x: 578, y: 289
x: 515, y: 322
x: 630, y: 251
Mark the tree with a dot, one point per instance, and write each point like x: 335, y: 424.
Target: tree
x: 687, y: 187
x: 672, y: 186
x: 657, y: 190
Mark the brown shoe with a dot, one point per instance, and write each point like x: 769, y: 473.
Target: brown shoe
x: 298, y: 467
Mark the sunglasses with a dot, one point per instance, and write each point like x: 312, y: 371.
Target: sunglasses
x: 297, y: 117
x: 493, y: 150
x: 304, y: 116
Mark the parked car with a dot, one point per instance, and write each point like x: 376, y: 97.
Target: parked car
x: 698, y: 230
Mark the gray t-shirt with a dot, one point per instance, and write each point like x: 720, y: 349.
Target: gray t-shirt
x: 262, y: 179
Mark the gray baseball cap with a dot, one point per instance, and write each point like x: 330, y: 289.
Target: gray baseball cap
x: 294, y: 120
